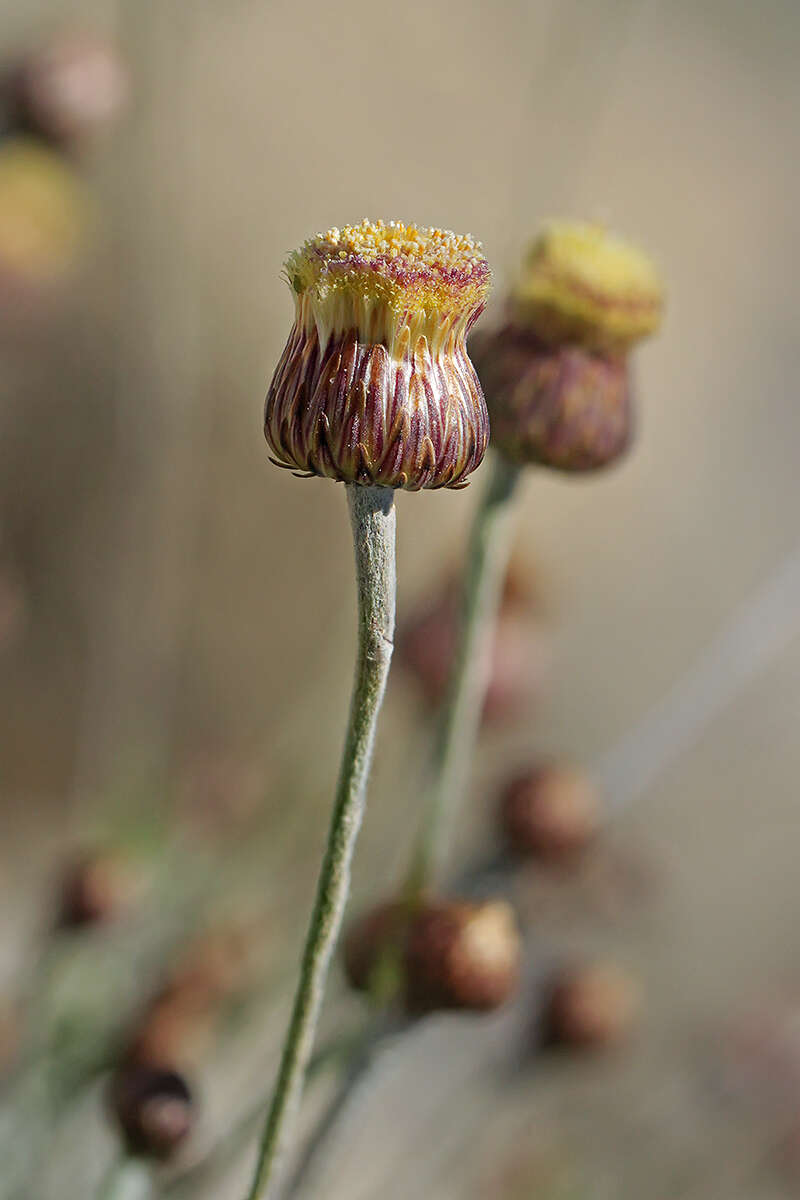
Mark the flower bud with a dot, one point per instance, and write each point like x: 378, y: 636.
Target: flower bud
x: 550, y: 813
x: 462, y: 955
x: 95, y: 889
x: 580, y: 286
x: 563, y: 407
x: 153, y: 1108
x: 70, y: 90
x: 590, y: 1007
x: 374, y: 385
x: 447, y: 954
x: 176, y: 1031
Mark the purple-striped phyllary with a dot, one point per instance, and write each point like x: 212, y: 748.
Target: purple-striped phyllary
x: 374, y: 385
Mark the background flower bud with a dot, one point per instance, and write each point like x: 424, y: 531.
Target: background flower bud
x: 590, y: 1006
x: 550, y: 812
x: 374, y: 385
x: 153, y: 1109
x: 462, y: 955
x: 70, y: 90
x: 95, y: 888
x: 563, y: 407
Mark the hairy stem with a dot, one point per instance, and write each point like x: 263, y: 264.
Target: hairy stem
x: 460, y: 713
x: 372, y: 515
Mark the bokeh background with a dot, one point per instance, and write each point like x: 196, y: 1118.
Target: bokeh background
x: 176, y: 616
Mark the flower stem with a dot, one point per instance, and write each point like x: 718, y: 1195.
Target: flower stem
x: 460, y: 712
x: 372, y: 515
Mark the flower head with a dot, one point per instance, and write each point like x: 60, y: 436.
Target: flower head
x: 582, y: 286
x: 42, y: 213
x: 374, y: 385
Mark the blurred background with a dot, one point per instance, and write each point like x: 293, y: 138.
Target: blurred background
x: 176, y: 616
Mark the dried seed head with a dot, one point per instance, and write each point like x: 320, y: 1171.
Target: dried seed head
x: 550, y: 813
x: 563, y: 407
x: 43, y: 212
x: 590, y: 1006
x: 462, y: 955
x: 70, y: 90
x: 374, y: 385
x: 153, y: 1109
x: 581, y: 286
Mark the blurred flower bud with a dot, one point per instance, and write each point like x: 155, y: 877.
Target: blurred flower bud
x: 550, y: 813
x: 462, y: 955
x: 178, y: 1026
x: 43, y: 214
x: 556, y: 375
x: 154, y: 1110
x: 590, y: 1007
x: 175, y: 1031
x: 70, y: 90
x: 96, y: 888
x: 581, y: 286
x: 447, y: 954
x: 520, y: 654
x: 375, y: 385
x: 563, y: 407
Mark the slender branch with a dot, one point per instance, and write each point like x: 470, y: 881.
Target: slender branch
x: 460, y: 713
x: 372, y: 516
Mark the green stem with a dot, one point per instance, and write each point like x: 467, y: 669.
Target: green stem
x: 460, y: 712
x: 372, y: 516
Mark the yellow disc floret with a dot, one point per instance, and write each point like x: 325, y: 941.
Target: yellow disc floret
x: 581, y: 284
x: 381, y: 278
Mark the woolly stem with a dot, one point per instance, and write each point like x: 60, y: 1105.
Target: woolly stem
x: 372, y: 515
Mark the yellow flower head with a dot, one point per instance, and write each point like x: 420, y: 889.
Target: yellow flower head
x: 43, y: 212
x: 375, y: 385
x: 582, y: 286
x: 383, y: 279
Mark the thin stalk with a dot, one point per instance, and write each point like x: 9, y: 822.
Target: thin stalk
x: 460, y: 713
x: 372, y: 515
